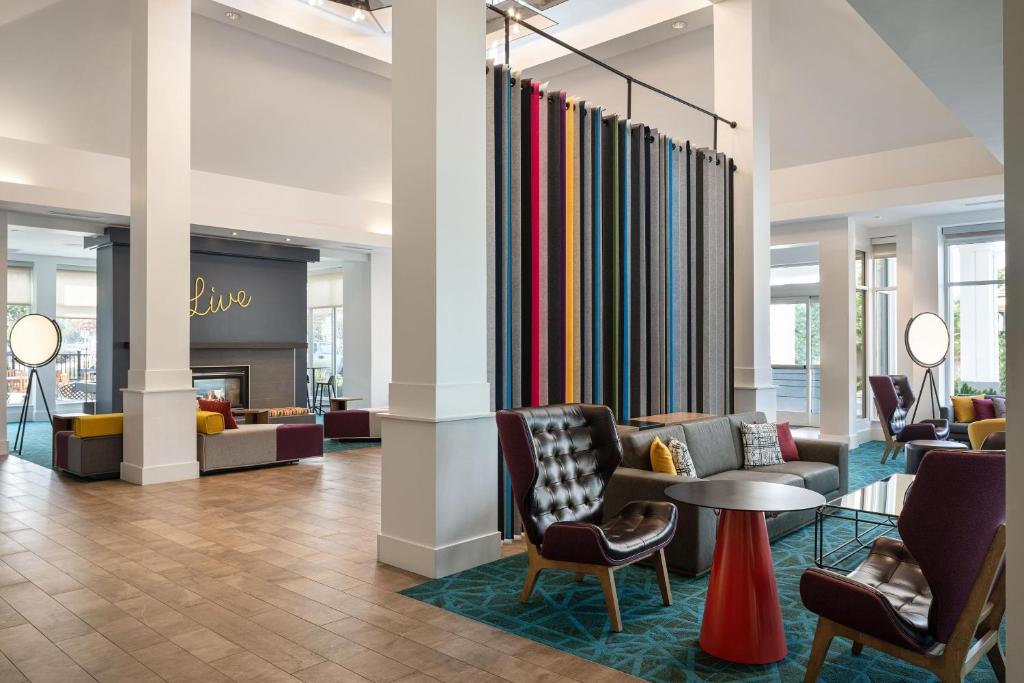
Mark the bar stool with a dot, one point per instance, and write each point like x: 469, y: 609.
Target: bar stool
x: 321, y: 391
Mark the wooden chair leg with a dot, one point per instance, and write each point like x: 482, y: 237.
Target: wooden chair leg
x: 661, y: 568
x: 531, y: 581
x: 607, y: 577
x: 896, y: 451
x: 822, y: 639
x: 885, y: 453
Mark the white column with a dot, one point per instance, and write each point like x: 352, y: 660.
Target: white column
x: 742, y: 58
x: 838, y: 341
x: 928, y: 287
x: 357, y: 331
x: 439, y: 478
x: 4, y: 224
x: 159, y: 403
x: 44, y: 297
x: 380, y: 327
x: 1013, y: 67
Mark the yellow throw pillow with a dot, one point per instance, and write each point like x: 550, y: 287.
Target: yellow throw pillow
x: 963, y: 408
x: 91, y: 426
x: 661, y: 458
x: 209, y: 422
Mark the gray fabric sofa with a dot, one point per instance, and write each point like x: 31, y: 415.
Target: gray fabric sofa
x: 717, y: 450
x: 958, y: 430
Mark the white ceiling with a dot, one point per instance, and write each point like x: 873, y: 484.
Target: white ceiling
x: 956, y: 49
x: 23, y: 240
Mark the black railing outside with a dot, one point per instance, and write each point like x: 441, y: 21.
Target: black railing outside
x: 75, y: 372
x: 791, y: 388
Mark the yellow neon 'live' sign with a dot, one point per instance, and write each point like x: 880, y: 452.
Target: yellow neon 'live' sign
x: 202, y: 304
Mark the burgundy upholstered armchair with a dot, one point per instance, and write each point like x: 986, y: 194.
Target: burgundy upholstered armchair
x: 560, y: 459
x: 934, y: 599
x: 894, y: 398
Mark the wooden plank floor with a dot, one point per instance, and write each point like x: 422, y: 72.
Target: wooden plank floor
x: 263, y: 575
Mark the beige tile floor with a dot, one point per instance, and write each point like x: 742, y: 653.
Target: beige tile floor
x: 262, y: 575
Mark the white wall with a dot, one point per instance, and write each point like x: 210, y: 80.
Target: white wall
x: 380, y: 324
x: 683, y: 66
x: 357, y: 324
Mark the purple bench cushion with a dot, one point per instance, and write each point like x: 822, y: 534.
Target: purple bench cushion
x: 296, y: 441
x: 61, y: 440
x: 347, y: 424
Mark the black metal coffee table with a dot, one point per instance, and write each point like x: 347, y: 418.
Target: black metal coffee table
x: 873, y: 510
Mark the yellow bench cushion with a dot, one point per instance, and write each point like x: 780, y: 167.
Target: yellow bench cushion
x: 91, y: 426
x: 209, y: 422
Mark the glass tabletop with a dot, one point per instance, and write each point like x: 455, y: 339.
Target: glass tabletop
x: 883, y: 497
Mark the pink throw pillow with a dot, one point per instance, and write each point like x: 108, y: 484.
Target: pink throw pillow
x: 984, y: 409
x: 787, y: 444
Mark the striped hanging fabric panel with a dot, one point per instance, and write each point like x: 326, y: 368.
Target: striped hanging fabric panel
x: 609, y: 250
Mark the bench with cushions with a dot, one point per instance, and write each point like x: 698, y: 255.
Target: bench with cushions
x: 250, y: 445
x: 93, y: 448
x: 716, y: 447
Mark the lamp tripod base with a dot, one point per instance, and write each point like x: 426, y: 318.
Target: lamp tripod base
x: 933, y: 395
x: 19, y: 435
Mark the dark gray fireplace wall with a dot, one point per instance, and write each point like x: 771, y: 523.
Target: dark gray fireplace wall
x: 271, y: 330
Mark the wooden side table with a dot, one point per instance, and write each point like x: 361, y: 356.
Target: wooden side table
x: 253, y: 416
x: 674, y: 418
x: 341, y: 402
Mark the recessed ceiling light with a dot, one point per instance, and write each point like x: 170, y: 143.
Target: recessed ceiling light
x: 234, y: 234
x: 679, y: 25
x: 315, y: 3
x: 233, y: 16
x: 287, y: 239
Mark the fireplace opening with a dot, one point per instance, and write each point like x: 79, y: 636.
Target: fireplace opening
x: 223, y: 383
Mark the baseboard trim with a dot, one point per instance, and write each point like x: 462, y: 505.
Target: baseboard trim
x: 442, y: 561
x: 159, y: 474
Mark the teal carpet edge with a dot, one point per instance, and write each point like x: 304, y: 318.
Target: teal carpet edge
x: 660, y: 643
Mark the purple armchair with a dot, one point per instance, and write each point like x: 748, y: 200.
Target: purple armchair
x: 560, y: 459
x: 894, y: 398
x: 934, y: 599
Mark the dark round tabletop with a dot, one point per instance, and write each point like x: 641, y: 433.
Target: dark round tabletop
x: 746, y: 496
x: 934, y: 445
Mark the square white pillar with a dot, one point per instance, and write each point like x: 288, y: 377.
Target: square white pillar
x: 4, y: 224
x: 742, y: 90
x: 159, y: 403
x: 439, y: 477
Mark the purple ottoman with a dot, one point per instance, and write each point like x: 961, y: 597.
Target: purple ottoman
x: 347, y: 424
x: 61, y: 440
x: 296, y: 441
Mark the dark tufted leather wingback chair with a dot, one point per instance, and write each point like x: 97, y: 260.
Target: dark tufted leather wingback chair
x: 894, y: 397
x: 560, y: 459
x: 928, y: 597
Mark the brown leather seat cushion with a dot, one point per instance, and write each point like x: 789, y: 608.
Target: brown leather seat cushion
x: 640, y: 528
x: 891, y: 571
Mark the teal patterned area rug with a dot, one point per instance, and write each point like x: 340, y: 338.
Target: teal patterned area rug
x: 661, y: 643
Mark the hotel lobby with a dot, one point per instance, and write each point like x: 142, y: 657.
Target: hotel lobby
x: 522, y: 340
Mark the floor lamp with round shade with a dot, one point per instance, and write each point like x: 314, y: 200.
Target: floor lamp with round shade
x: 927, y: 340
x: 34, y: 342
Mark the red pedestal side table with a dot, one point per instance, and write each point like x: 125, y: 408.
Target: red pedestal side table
x: 742, y: 619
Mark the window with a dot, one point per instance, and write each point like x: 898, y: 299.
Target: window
x: 76, y: 316
x: 19, y: 303
x: 325, y: 335
x: 860, y: 313
x: 976, y: 308
x: 799, y: 274
x: 886, y: 333
x: 796, y: 358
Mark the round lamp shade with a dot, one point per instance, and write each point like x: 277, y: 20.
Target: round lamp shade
x: 34, y: 340
x: 927, y: 339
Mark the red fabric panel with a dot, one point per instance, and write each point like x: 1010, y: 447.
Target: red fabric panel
x: 61, y: 443
x: 347, y: 424
x: 984, y: 409
x: 296, y: 441
x: 787, y: 444
x: 222, y: 407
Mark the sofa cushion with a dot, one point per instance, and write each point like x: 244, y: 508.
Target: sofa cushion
x: 287, y: 412
x: 758, y: 475
x: 90, y: 426
x: 209, y: 422
x: 760, y: 445
x: 661, y: 458
x: 984, y: 409
x: 817, y: 476
x: 222, y: 407
x: 963, y: 408
x: 999, y: 403
x: 737, y: 421
x: 248, y: 445
x: 636, y: 444
x: 713, y: 447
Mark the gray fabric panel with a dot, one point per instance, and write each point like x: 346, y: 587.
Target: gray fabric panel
x: 694, y: 356
x: 491, y: 253
x: 817, y: 476
x: 577, y: 279
x: 543, y: 351
x: 587, y: 255
x: 679, y: 290
x: 713, y: 447
x: 242, y: 447
x: 516, y: 204
x: 657, y: 253
x: 636, y: 445
x: 759, y: 474
x: 95, y: 456
x: 714, y: 286
x: 642, y: 314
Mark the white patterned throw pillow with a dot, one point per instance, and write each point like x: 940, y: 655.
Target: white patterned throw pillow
x: 681, y: 458
x: 760, y: 445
